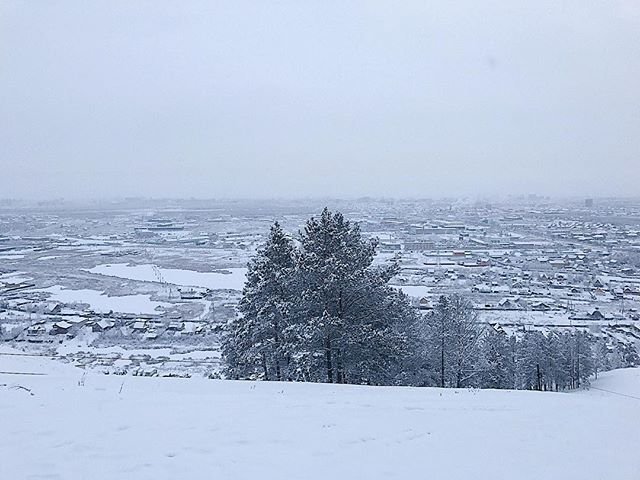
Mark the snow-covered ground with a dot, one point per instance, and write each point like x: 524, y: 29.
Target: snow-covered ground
x: 228, y: 279
x: 77, y: 425
x: 100, y: 302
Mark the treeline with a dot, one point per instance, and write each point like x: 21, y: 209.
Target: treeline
x: 533, y: 360
x: 460, y: 351
x: 320, y: 310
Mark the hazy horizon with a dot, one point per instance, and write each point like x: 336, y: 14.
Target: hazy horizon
x: 319, y: 100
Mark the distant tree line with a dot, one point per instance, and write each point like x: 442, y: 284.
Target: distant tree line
x: 556, y: 360
x: 320, y: 310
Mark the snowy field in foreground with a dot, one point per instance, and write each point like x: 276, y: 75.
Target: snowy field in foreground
x: 73, y: 426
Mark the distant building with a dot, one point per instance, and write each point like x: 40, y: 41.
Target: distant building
x: 390, y: 247
x: 61, y: 328
x: 588, y: 202
x: 103, y: 325
x: 418, y: 246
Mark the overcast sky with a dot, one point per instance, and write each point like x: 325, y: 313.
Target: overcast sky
x: 327, y: 98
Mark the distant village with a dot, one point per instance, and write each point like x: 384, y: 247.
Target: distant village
x: 147, y: 287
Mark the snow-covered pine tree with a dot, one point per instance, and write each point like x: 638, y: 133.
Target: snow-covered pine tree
x: 352, y: 325
x: 256, y: 345
x: 498, y: 368
x: 601, y: 361
x: 437, y: 334
x: 380, y: 344
x: 549, y: 361
x: 529, y: 370
x: 563, y: 354
x: 583, y: 358
x: 453, y: 336
x: 626, y: 355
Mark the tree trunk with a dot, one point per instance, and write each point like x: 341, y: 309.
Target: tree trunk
x: 276, y: 326
x: 442, y: 361
x: 327, y: 353
x: 339, y: 373
x: 264, y: 366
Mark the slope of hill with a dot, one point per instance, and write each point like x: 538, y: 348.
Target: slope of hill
x: 75, y: 425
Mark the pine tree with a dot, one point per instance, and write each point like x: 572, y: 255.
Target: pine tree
x: 498, y: 360
x: 555, y: 359
x: 627, y: 355
x: 438, y: 334
x: 601, y: 361
x: 256, y: 345
x: 584, y: 365
x: 453, y: 336
x: 565, y: 357
x: 354, y: 323
x: 530, y: 373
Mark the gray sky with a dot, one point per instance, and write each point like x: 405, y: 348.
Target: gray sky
x: 304, y: 98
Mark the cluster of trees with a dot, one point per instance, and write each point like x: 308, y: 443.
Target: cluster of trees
x: 458, y: 350
x: 319, y: 309
x: 535, y: 361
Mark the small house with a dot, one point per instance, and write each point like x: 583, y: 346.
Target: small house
x: 103, y: 325
x: 61, y: 328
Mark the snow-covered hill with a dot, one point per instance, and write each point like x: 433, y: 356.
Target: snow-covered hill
x: 72, y: 425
